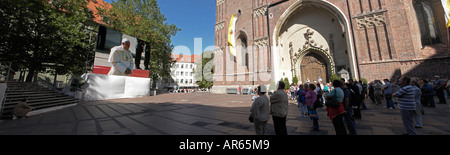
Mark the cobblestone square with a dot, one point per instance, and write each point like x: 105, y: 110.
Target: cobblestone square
x: 203, y: 114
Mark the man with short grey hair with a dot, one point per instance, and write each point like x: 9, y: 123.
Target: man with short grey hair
x: 388, y: 94
x: 407, y: 104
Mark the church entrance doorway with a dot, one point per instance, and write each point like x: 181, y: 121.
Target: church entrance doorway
x: 312, y: 67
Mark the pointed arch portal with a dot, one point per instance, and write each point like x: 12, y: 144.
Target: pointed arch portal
x: 316, y: 35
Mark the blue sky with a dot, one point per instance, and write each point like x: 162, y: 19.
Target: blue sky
x: 195, y: 18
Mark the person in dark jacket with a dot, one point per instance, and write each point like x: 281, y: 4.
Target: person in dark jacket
x: 438, y: 87
x: 427, y: 91
x: 355, y: 100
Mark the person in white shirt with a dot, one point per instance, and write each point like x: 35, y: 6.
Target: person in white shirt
x: 121, y: 59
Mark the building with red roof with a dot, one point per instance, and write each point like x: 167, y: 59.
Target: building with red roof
x: 183, y: 72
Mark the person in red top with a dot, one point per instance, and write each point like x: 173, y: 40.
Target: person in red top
x: 336, y: 113
x: 239, y: 90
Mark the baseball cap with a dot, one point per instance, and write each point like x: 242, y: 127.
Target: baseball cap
x: 124, y: 40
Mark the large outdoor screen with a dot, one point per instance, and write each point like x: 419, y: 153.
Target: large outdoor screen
x: 107, y: 40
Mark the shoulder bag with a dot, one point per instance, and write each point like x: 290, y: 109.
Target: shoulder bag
x: 333, y: 103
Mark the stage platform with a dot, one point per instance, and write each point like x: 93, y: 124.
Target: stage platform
x: 105, y: 87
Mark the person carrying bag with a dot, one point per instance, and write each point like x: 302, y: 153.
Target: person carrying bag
x: 335, y: 108
x: 332, y: 102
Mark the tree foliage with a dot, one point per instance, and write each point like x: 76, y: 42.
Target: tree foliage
x: 364, y: 80
x: 205, y: 70
x: 286, y: 83
x: 335, y: 77
x: 143, y: 19
x: 295, y: 80
x: 43, y: 36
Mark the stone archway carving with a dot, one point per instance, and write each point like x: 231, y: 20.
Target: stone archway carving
x: 312, y: 67
x: 298, y: 55
x: 310, y: 46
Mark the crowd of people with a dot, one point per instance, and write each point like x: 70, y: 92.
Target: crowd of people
x: 428, y: 90
x: 410, y: 95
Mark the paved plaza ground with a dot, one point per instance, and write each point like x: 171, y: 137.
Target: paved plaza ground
x: 203, y: 114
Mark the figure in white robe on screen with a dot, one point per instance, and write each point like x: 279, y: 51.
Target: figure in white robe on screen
x: 121, y: 59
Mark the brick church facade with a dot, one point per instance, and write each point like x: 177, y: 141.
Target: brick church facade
x: 371, y: 39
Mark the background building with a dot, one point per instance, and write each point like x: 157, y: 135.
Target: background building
x: 371, y: 39
x: 182, y: 72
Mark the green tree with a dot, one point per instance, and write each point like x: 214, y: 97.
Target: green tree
x: 143, y: 19
x: 286, y: 83
x: 295, y: 80
x: 43, y: 36
x: 334, y: 77
x: 205, y: 70
x: 364, y: 80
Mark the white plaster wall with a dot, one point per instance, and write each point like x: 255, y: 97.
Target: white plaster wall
x: 186, y: 76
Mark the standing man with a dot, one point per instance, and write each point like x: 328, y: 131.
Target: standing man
x: 348, y: 119
x: 378, y: 92
x: 355, y: 100
x: 438, y: 87
x: 407, y: 104
x: 428, y: 93
x: 419, y: 108
x: 372, y: 92
x: 260, y: 111
x: 279, y: 109
x: 121, y: 59
x: 388, y: 94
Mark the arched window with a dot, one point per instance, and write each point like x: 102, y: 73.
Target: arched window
x: 428, y: 25
x: 244, y: 51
